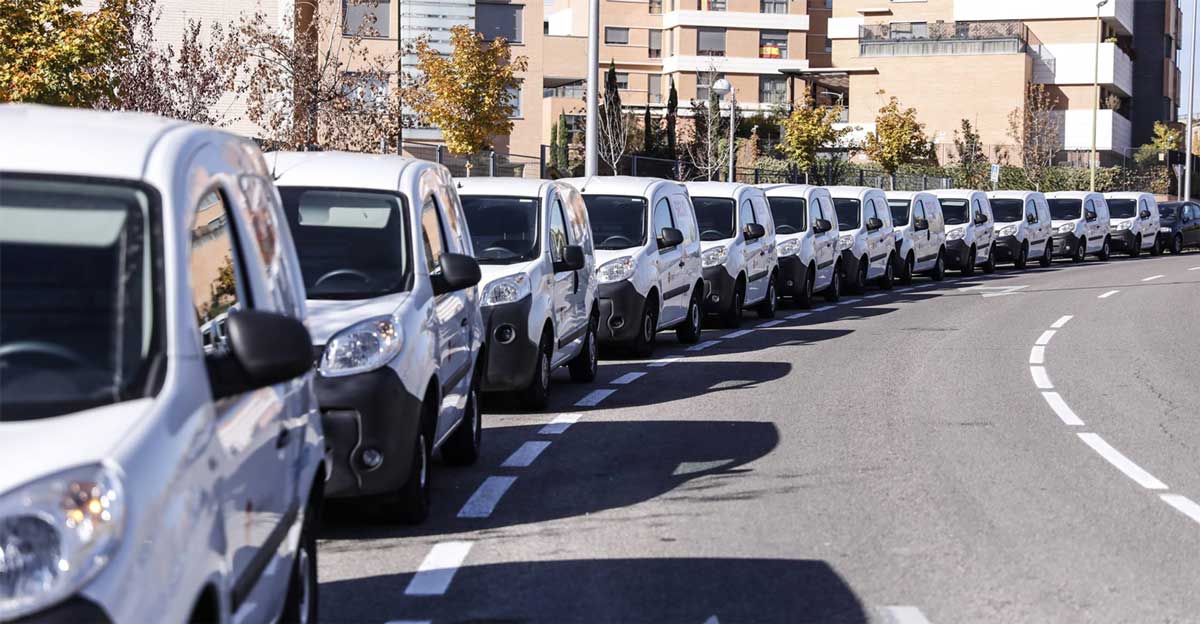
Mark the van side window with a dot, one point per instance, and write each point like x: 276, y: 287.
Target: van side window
x: 662, y: 216
x: 762, y: 214
x: 1142, y: 205
x: 215, y: 270
x: 978, y: 208
x: 1031, y: 214
x: 683, y: 217
x: 431, y: 235
x: 558, y: 231
x: 1089, y: 209
x: 918, y: 210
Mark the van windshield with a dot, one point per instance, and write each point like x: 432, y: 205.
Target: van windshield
x: 954, y: 211
x: 352, y: 244
x: 78, y: 295
x: 1122, y: 208
x: 1007, y: 210
x: 618, y: 221
x: 848, y: 212
x: 790, y: 214
x: 899, y: 211
x: 503, y: 229
x: 1065, y: 209
x: 715, y: 217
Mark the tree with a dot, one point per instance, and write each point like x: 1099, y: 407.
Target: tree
x: 466, y: 95
x: 554, y: 162
x: 971, y: 159
x: 898, y: 138
x: 1166, y: 139
x: 707, y: 146
x: 53, y: 53
x: 1035, y: 128
x: 808, y: 130
x: 562, y: 149
x: 672, y: 120
x: 614, y: 123
x: 649, y: 141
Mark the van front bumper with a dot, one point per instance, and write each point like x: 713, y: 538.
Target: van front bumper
x: 1065, y: 244
x: 718, y: 289
x: 956, y: 253
x: 1122, y: 240
x: 76, y: 610
x: 621, y: 307
x: 511, y: 351
x: 850, y: 263
x: 793, y: 273
x: 367, y: 411
x: 1008, y: 248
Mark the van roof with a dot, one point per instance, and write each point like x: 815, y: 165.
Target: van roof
x: 905, y: 194
x: 716, y: 189
x: 340, y: 169
x: 510, y: 187
x: 617, y: 185
x: 1126, y: 195
x: 787, y: 190
x: 1011, y: 194
x: 1070, y: 195
x: 850, y: 191
x: 955, y: 193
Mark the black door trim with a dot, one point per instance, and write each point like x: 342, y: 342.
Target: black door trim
x: 571, y: 337
x: 249, y: 578
x: 677, y: 291
x: 757, y: 276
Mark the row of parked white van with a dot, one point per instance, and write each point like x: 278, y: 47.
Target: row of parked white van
x: 165, y: 288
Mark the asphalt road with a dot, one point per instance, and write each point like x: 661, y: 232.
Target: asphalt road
x: 895, y: 459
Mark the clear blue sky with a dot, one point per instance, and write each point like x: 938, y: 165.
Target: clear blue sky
x: 1184, y: 59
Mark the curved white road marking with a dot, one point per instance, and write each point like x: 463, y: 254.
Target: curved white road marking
x: 1151, y: 278
x: 1183, y: 504
x: 1040, y: 378
x: 704, y: 345
x: 664, y: 361
x: 905, y: 614
x: 1122, y: 463
x: 1037, y: 355
x: 1044, y: 339
x: 437, y: 570
x: 1061, y: 409
x: 1108, y: 294
x: 1061, y: 321
x: 627, y: 378
x: 737, y: 334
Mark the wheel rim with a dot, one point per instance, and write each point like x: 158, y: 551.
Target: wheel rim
x: 647, y: 329
x: 423, y: 473
x: 695, y: 316
x: 808, y: 287
x: 544, y: 373
x: 591, y: 346
x: 305, y: 579
x: 476, y: 421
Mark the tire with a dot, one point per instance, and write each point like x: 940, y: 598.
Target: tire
x: 536, y: 395
x: 906, y: 275
x: 1022, y: 259
x: 462, y: 447
x: 300, y: 605
x: 860, y: 280
x: 834, y: 291
x: 989, y: 266
x: 939, y: 267
x: 1137, y: 247
x: 583, y: 367
x: 766, y: 308
x: 805, y: 298
x: 888, y: 279
x: 1105, y: 251
x: 410, y: 504
x: 643, y: 343
x: 688, y: 332
x: 968, y: 266
x: 1157, y: 248
x: 1048, y: 255
x: 1080, y: 251
x: 1176, y: 245
x: 731, y: 317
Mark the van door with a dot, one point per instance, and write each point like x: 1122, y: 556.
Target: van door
x: 1091, y: 220
x: 673, y: 287
x: 983, y: 231
x: 685, y: 220
x: 877, y: 247
x: 566, y: 283
x: 767, y: 258
x: 824, y: 244
x: 449, y: 318
x: 756, y: 282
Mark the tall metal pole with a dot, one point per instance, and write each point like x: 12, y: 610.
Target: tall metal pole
x: 591, y: 146
x: 732, y: 127
x: 1096, y: 88
x: 1187, y: 158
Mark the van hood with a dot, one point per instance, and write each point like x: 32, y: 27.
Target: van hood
x: 327, y: 317
x: 491, y: 272
x: 33, y: 449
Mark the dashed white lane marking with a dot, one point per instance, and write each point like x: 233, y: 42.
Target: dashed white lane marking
x: 1122, y: 463
x: 1108, y: 294
x: 559, y: 424
x: 1040, y: 378
x: 627, y: 378
x: 1061, y: 321
x: 594, y: 397
x: 664, y: 361
x: 484, y: 500
x: 824, y: 308
x: 524, y: 456
x: 1183, y: 504
x: 1061, y: 409
x: 770, y: 324
x: 1037, y: 355
x: 851, y: 301
x: 1044, y: 339
x: 686, y: 468
x: 704, y: 345
x: 1151, y: 278
x: 875, y: 296
x: 904, y: 614
x: 712, y: 620
x: 1194, y: 269
x: 798, y: 315
x: 437, y: 570
x: 907, y: 289
x: 737, y: 334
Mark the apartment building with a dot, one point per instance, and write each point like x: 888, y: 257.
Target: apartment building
x: 972, y: 59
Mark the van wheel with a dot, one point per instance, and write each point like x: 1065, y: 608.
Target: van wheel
x: 939, y: 267
x: 860, y: 280
x: 643, y: 343
x: 1176, y: 245
x: 584, y: 365
x: 889, y: 274
x: 804, y: 299
x: 989, y: 265
x: 1157, y: 248
x: 732, y: 316
x: 1080, y: 251
x: 1048, y: 255
x: 766, y: 308
x: 537, y: 394
x: 967, y: 269
x: 906, y: 274
x: 834, y: 291
x: 410, y: 505
x: 688, y: 332
x: 1022, y: 256
x: 300, y: 606
x: 1137, y: 247
x: 1104, y: 251
x: 462, y: 448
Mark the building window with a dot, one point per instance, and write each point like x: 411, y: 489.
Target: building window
x: 367, y: 90
x: 367, y: 18
x: 828, y: 45
x: 712, y: 5
x: 772, y: 89
x: 772, y: 6
x: 704, y: 80
x: 655, y: 7
x: 616, y: 36
x: 499, y: 20
x: 773, y: 44
x: 710, y: 41
x: 514, y: 100
x: 655, y: 46
x: 622, y: 80
x: 654, y: 88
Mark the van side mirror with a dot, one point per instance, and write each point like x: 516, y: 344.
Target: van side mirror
x: 265, y: 348
x: 572, y: 259
x: 754, y: 231
x: 669, y: 237
x: 874, y: 223
x: 457, y: 272
x: 1145, y: 214
x: 920, y: 225
x: 980, y: 218
x: 822, y: 226
x: 1031, y: 219
x: 1091, y: 215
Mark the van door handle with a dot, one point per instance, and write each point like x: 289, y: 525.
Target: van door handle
x: 681, y: 263
x: 463, y: 322
x: 283, y: 438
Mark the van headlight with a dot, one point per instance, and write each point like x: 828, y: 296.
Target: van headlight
x: 1010, y: 230
x: 789, y: 247
x: 362, y: 347
x: 714, y: 257
x: 1066, y: 228
x: 56, y: 533
x: 505, y: 290
x: 956, y: 234
x: 1123, y: 225
x: 845, y: 241
x: 616, y: 270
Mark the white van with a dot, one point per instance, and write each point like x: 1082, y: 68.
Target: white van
x: 1023, y: 229
x: 866, y: 240
x: 394, y: 314
x: 970, y: 232
x: 144, y: 478
x: 648, y: 259
x: 920, y: 234
x: 806, y: 237
x: 1080, y: 222
x: 1134, y: 223
x: 534, y: 247
x: 737, y: 249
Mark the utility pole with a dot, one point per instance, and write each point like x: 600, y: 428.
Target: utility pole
x: 1187, y: 158
x: 591, y: 147
x: 1096, y: 87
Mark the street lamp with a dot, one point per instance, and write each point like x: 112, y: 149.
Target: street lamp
x: 721, y: 87
x: 1096, y: 87
x: 1187, y: 158
x: 591, y: 147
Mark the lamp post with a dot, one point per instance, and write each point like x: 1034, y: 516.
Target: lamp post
x: 591, y: 145
x: 1186, y: 193
x: 1096, y: 87
x: 721, y: 87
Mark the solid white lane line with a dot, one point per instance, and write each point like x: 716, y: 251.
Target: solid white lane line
x: 906, y: 289
x: 1040, y: 378
x: 559, y: 424
x: 798, y: 315
x: 1194, y: 269
x: 737, y: 334
x: 1108, y: 294
x: 627, y: 378
x: 1044, y: 339
x: 824, y: 308
x: 1183, y: 504
x: 1061, y: 409
x: 1151, y: 278
x: 1037, y: 355
x: 905, y: 614
x: 594, y: 397
x: 437, y: 570
x: 664, y: 361
x: 769, y: 324
x: 484, y: 500
x: 1122, y: 463
x: 523, y: 456
x: 704, y: 345
x: 1062, y: 321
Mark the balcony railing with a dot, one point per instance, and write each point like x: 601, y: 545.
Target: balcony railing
x: 953, y: 38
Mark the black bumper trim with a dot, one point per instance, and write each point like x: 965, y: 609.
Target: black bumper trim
x: 1008, y: 248
x: 509, y: 366
x: 620, y: 302
x: 74, y: 610
x: 1065, y: 244
x: 792, y: 275
x: 719, y: 283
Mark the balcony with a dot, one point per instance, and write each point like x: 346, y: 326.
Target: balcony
x: 1117, y: 13
x: 952, y: 39
x: 1113, y: 130
x: 1076, y: 64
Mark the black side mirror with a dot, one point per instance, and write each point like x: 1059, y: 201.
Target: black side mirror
x: 822, y: 226
x: 264, y: 349
x: 1091, y: 216
x: 669, y: 237
x: 458, y: 272
x: 920, y: 225
x: 1145, y: 214
x: 754, y: 231
x: 874, y: 223
x: 1031, y: 219
x: 980, y: 218
x: 572, y: 260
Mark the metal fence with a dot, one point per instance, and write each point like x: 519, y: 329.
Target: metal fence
x: 954, y: 38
